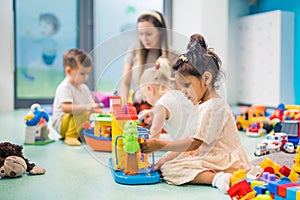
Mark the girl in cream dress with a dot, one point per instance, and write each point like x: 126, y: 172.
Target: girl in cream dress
x: 210, y: 149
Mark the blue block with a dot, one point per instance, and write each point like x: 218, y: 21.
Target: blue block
x: 260, y: 189
x: 273, y: 185
x: 276, y: 197
x: 291, y: 192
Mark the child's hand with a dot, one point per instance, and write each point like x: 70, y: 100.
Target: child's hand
x: 150, y: 145
x: 160, y: 163
x: 146, y: 116
x: 97, y: 109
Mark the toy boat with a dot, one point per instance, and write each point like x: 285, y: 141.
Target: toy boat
x: 97, y: 143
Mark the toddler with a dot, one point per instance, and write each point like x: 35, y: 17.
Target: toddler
x: 73, y: 100
x: 170, y: 108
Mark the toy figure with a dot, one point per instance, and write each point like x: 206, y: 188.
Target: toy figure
x: 131, y: 147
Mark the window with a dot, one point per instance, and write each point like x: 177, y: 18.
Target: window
x: 44, y: 30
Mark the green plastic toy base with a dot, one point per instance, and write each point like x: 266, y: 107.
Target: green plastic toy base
x: 41, y: 142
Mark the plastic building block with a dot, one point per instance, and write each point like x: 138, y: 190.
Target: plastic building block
x: 239, y: 190
x: 263, y: 197
x: 296, y: 165
x: 267, y: 177
x: 285, y: 171
x: 237, y: 176
x: 261, y: 189
x: 250, y: 195
x: 293, y: 193
x: 293, y: 176
x: 273, y: 186
x: 281, y: 190
x: 267, y: 162
x: 256, y: 183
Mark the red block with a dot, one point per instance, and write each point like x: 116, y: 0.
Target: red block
x: 239, y: 189
x: 285, y: 171
x: 281, y: 190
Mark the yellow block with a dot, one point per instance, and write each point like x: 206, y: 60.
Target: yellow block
x: 257, y: 183
x: 292, y: 107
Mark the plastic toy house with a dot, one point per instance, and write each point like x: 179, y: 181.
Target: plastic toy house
x: 146, y: 174
x: 36, y: 126
x: 97, y: 133
x: 99, y: 136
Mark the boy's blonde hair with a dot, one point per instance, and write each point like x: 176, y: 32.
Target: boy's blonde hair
x: 159, y: 74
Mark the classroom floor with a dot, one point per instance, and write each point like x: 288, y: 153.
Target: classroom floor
x: 81, y: 173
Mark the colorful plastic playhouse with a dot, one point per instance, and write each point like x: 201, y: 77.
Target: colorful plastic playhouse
x: 36, y: 126
x: 146, y: 174
x: 97, y: 133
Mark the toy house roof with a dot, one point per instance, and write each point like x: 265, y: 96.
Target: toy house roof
x: 128, y: 112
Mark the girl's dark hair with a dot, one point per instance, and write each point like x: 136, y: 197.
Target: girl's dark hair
x: 76, y: 57
x: 197, y: 43
x: 198, y: 59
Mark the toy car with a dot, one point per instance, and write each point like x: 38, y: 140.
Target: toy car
x: 273, y: 142
x: 255, y: 130
x: 261, y: 149
x: 250, y: 115
x: 289, y: 147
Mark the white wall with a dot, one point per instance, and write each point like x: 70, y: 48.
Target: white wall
x: 207, y: 17
x: 216, y: 20
x: 7, y: 56
x: 266, y: 58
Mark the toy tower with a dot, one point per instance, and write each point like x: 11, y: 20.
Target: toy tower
x: 120, y: 115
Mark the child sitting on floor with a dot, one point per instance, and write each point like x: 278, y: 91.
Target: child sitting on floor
x: 170, y: 108
x: 73, y: 100
x: 210, y: 150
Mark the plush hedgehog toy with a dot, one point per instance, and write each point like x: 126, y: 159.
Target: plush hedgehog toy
x: 12, y: 161
x: 14, y: 166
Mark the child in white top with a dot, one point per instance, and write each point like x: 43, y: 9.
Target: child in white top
x: 210, y: 150
x: 73, y: 101
x: 170, y: 108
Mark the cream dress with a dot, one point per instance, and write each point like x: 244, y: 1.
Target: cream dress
x: 213, y: 123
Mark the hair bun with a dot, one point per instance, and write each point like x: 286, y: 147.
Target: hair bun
x: 197, y: 42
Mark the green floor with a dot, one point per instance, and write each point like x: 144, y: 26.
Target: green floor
x: 80, y: 173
